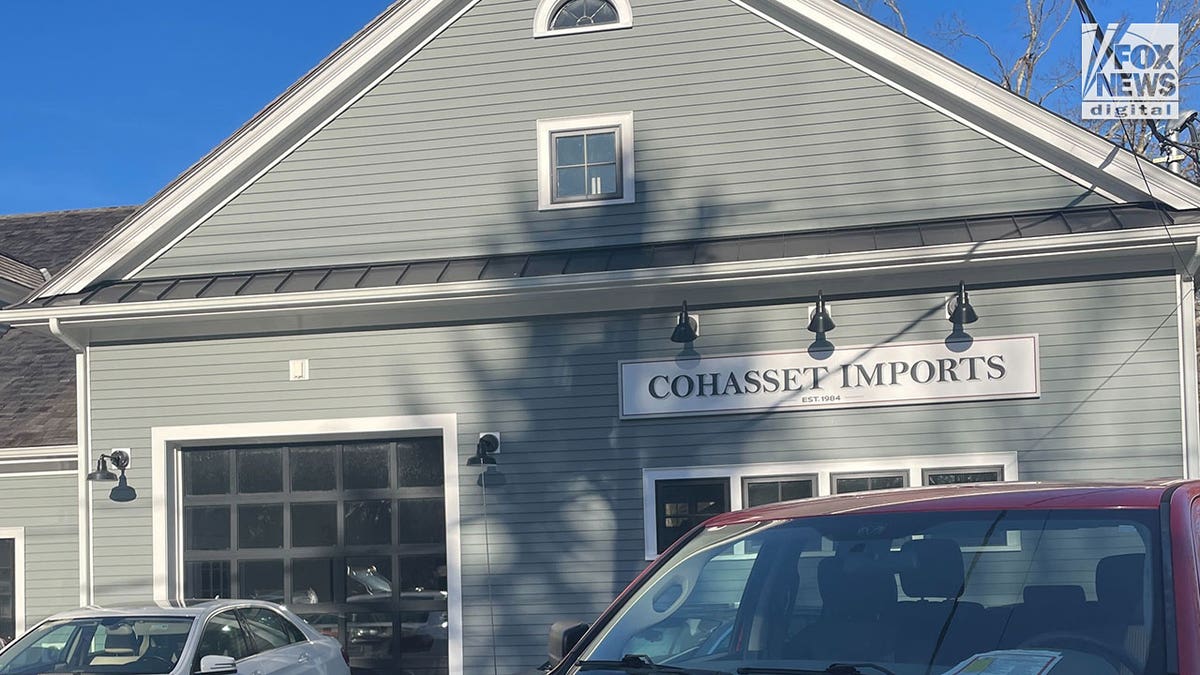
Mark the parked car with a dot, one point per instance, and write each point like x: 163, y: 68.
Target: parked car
x: 218, y: 637
x: 1057, y: 579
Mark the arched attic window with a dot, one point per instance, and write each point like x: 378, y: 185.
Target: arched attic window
x: 560, y: 17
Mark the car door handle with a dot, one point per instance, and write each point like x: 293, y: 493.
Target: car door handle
x: 303, y: 658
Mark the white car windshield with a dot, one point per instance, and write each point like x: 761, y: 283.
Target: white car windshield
x: 933, y: 593
x: 125, y: 645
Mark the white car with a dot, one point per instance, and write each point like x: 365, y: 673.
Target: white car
x: 219, y: 637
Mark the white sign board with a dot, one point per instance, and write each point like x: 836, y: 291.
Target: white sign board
x: 901, y: 373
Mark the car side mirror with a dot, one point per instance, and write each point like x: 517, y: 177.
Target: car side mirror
x: 218, y: 664
x: 564, y: 635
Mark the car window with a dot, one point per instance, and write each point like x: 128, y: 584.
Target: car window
x: 906, y: 592
x: 110, y: 644
x: 223, y: 636
x: 268, y: 629
x: 43, y: 652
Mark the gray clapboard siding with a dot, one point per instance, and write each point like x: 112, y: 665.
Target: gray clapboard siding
x: 574, y: 470
x: 48, y: 508
x: 740, y: 129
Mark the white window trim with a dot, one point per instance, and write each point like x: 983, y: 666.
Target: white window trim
x: 547, y: 8
x: 167, y: 484
x: 17, y: 534
x: 824, y: 470
x: 546, y: 128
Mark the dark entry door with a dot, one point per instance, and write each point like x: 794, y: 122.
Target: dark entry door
x: 350, y: 535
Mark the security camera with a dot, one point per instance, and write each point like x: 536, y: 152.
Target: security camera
x: 489, y: 443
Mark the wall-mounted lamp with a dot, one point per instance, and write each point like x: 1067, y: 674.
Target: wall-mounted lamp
x: 688, y: 328
x: 959, y: 310
x: 488, y: 445
x: 123, y: 492
x: 820, y: 322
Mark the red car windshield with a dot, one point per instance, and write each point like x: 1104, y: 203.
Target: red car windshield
x: 921, y: 593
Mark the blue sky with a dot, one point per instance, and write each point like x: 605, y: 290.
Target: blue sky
x: 105, y: 101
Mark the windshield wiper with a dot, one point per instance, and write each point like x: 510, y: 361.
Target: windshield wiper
x: 640, y: 663
x: 831, y: 669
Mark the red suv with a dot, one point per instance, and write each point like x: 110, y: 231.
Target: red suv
x: 1038, y: 579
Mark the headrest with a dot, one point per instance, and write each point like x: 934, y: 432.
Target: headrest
x: 1054, y: 598
x: 120, y: 640
x: 855, y: 588
x: 934, y: 569
x: 1119, y: 582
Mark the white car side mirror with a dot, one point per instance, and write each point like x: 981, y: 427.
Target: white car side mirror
x: 218, y: 664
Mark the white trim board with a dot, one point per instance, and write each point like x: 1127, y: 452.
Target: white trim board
x: 1189, y: 379
x: 167, y: 518
x: 322, y: 94
x: 822, y: 469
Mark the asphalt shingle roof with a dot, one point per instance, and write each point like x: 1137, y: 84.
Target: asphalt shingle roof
x: 37, y: 372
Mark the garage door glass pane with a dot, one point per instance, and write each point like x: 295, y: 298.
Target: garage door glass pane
x: 422, y: 521
x: 419, y: 462
x: 206, y: 472
x: 369, y: 579
x: 313, y: 468
x: 314, y: 525
x: 206, y: 527
x: 369, y: 522
x: 260, y: 470
x: 261, y: 580
x: 365, y: 467
x: 312, y: 581
x: 422, y: 573
x: 260, y: 526
x: 207, y: 580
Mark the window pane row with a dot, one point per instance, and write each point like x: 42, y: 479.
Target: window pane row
x: 362, y: 523
x: 314, y: 468
x: 421, y: 579
x: 682, y: 504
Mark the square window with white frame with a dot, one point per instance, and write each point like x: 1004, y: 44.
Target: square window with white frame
x: 585, y: 161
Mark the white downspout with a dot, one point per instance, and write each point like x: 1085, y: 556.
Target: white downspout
x: 83, y: 432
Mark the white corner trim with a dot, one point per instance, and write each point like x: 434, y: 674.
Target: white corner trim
x: 1090, y: 154
x: 822, y: 469
x: 623, y: 121
x: 547, y: 8
x: 17, y: 534
x: 278, y: 119
x: 167, y: 517
x: 1189, y: 387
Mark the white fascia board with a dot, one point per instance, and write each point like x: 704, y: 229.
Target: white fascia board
x: 617, y: 290
x: 281, y: 122
x: 921, y: 72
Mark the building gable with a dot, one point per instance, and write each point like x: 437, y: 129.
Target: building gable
x: 745, y: 125
x: 741, y: 129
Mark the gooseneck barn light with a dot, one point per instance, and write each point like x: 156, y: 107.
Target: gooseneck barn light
x: 123, y: 492
x: 820, y: 322
x: 961, y: 312
x: 488, y: 445
x: 688, y: 329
